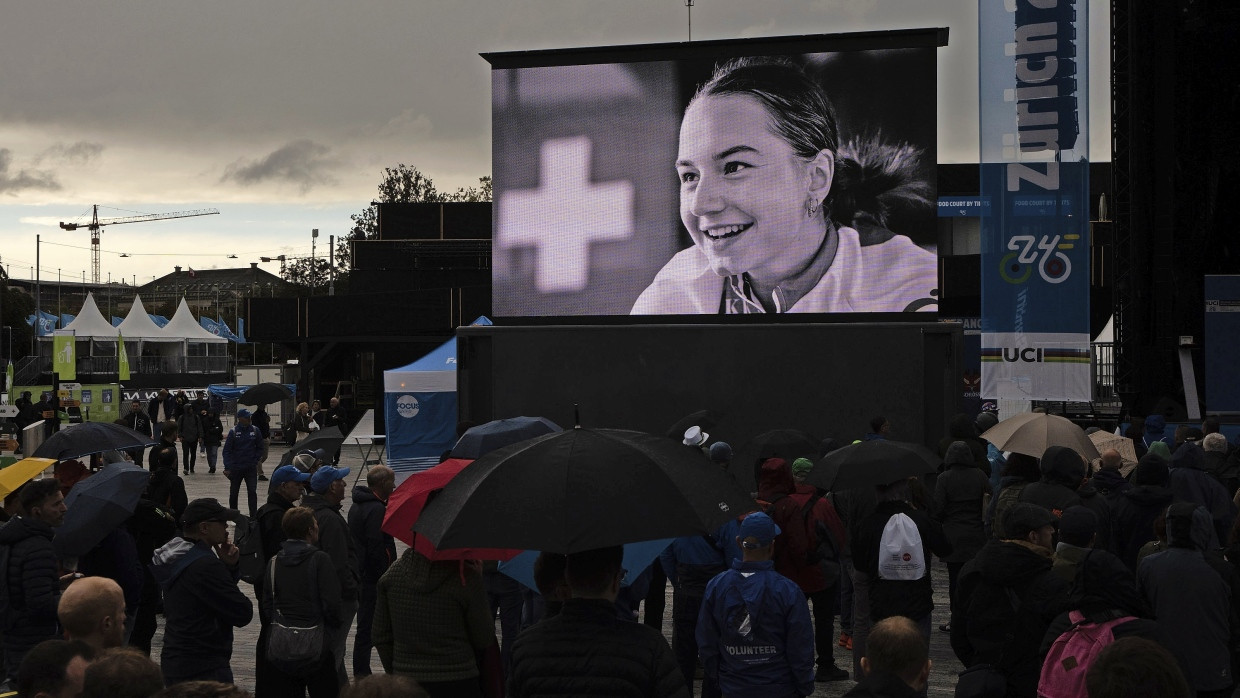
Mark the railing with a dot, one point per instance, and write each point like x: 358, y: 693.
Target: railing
x: 32, y: 368
x: 1102, y: 366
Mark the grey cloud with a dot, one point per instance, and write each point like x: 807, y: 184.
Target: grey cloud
x: 302, y: 162
x: 79, y: 153
x: 23, y: 179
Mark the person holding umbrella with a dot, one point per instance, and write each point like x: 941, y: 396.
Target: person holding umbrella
x: 32, y: 584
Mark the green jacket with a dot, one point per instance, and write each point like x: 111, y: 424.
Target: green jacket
x: 431, y: 618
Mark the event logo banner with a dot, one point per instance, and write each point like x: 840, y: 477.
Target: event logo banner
x: 1034, y: 121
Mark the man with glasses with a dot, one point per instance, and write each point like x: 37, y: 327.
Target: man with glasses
x: 202, y: 604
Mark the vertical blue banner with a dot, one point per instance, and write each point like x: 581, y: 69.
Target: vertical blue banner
x: 1222, y: 328
x: 1034, y: 123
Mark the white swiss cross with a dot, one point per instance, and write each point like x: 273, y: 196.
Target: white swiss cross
x: 564, y: 215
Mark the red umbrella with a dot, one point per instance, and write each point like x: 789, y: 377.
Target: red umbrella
x: 406, y: 503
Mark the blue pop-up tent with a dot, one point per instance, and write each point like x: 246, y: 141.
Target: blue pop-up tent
x: 420, y: 409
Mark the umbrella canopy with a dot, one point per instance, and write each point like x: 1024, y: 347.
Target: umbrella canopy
x: 89, y: 438
x: 637, y: 557
x: 484, y: 438
x: 706, y: 419
x: 788, y: 444
x: 582, y: 489
x: 870, y: 463
x: 1104, y: 441
x: 1032, y: 433
x: 265, y: 394
x: 407, y: 501
x: 19, y: 473
x: 97, y: 505
x: 328, y: 439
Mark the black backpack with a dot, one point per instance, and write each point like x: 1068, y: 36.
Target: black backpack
x: 252, y: 562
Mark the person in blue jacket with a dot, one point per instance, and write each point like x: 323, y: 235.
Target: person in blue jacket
x: 690, y: 563
x: 754, y: 634
x: 243, y: 449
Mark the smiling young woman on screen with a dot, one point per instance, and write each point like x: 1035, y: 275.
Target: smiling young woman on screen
x: 774, y: 204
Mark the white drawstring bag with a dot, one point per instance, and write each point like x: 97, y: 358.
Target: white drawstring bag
x: 900, y: 554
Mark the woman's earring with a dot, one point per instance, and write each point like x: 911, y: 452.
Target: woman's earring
x: 813, y: 208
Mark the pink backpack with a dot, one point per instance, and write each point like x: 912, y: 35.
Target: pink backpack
x: 1071, y: 655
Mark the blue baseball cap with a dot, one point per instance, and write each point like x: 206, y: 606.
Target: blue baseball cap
x: 288, y: 473
x: 325, y: 476
x: 758, y: 525
x: 243, y: 413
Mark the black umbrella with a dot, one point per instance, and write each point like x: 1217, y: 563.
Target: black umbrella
x: 328, y: 439
x: 582, y: 489
x: 90, y: 437
x: 869, y: 463
x: 97, y: 505
x: 788, y: 444
x: 484, y: 438
x: 265, y: 394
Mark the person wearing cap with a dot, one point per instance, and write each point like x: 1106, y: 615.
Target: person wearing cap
x: 1007, y: 597
x: 198, y: 573
x: 754, y: 634
x: 959, y: 494
x: 376, y: 552
x: 243, y: 448
x: 327, y: 489
x: 811, y: 534
x: 286, y: 488
x: 1192, y: 601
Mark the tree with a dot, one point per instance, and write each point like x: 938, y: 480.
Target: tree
x: 313, y: 273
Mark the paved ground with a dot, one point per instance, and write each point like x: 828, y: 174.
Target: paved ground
x: 200, y: 484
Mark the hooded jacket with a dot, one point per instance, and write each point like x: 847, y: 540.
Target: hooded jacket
x: 958, y: 495
x: 431, y: 618
x: 1155, y: 430
x: 754, y: 634
x: 1136, y: 509
x: 799, y: 534
x: 1191, y: 483
x: 1006, y: 598
x: 1063, y: 471
x: 1110, y: 484
x: 302, y: 599
x: 1190, y: 599
x: 963, y: 428
x: 202, y: 605
x: 32, y: 587
x: 376, y: 549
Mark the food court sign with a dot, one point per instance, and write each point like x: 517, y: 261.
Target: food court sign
x: 1034, y: 120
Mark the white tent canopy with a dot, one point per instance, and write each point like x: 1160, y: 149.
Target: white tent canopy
x: 138, y: 325
x: 183, y: 326
x: 90, y: 323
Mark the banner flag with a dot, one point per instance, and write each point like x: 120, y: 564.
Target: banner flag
x: 116, y: 321
x: 122, y: 358
x: 8, y: 380
x: 225, y: 331
x: 66, y: 318
x: 64, y: 362
x: 1034, y: 124
x: 241, y: 330
x: 209, y: 325
x: 159, y: 320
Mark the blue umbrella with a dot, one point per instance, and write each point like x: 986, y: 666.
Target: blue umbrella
x: 97, y: 505
x: 484, y: 438
x: 637, y: 557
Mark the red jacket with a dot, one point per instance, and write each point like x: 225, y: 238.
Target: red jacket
x: 785, y: 502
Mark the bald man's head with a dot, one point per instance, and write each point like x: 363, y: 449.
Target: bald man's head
x: 1111, y: 459
x: 896, y: 646
x: 92, y: 609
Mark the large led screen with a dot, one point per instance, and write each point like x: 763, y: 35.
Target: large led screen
x: 792, y: 175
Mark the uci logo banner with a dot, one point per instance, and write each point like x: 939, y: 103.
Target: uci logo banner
x: 1034, y: 118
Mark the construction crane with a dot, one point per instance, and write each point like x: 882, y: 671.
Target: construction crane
x: 96, y: 227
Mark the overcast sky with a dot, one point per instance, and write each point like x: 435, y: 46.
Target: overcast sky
x: 283, y: 113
